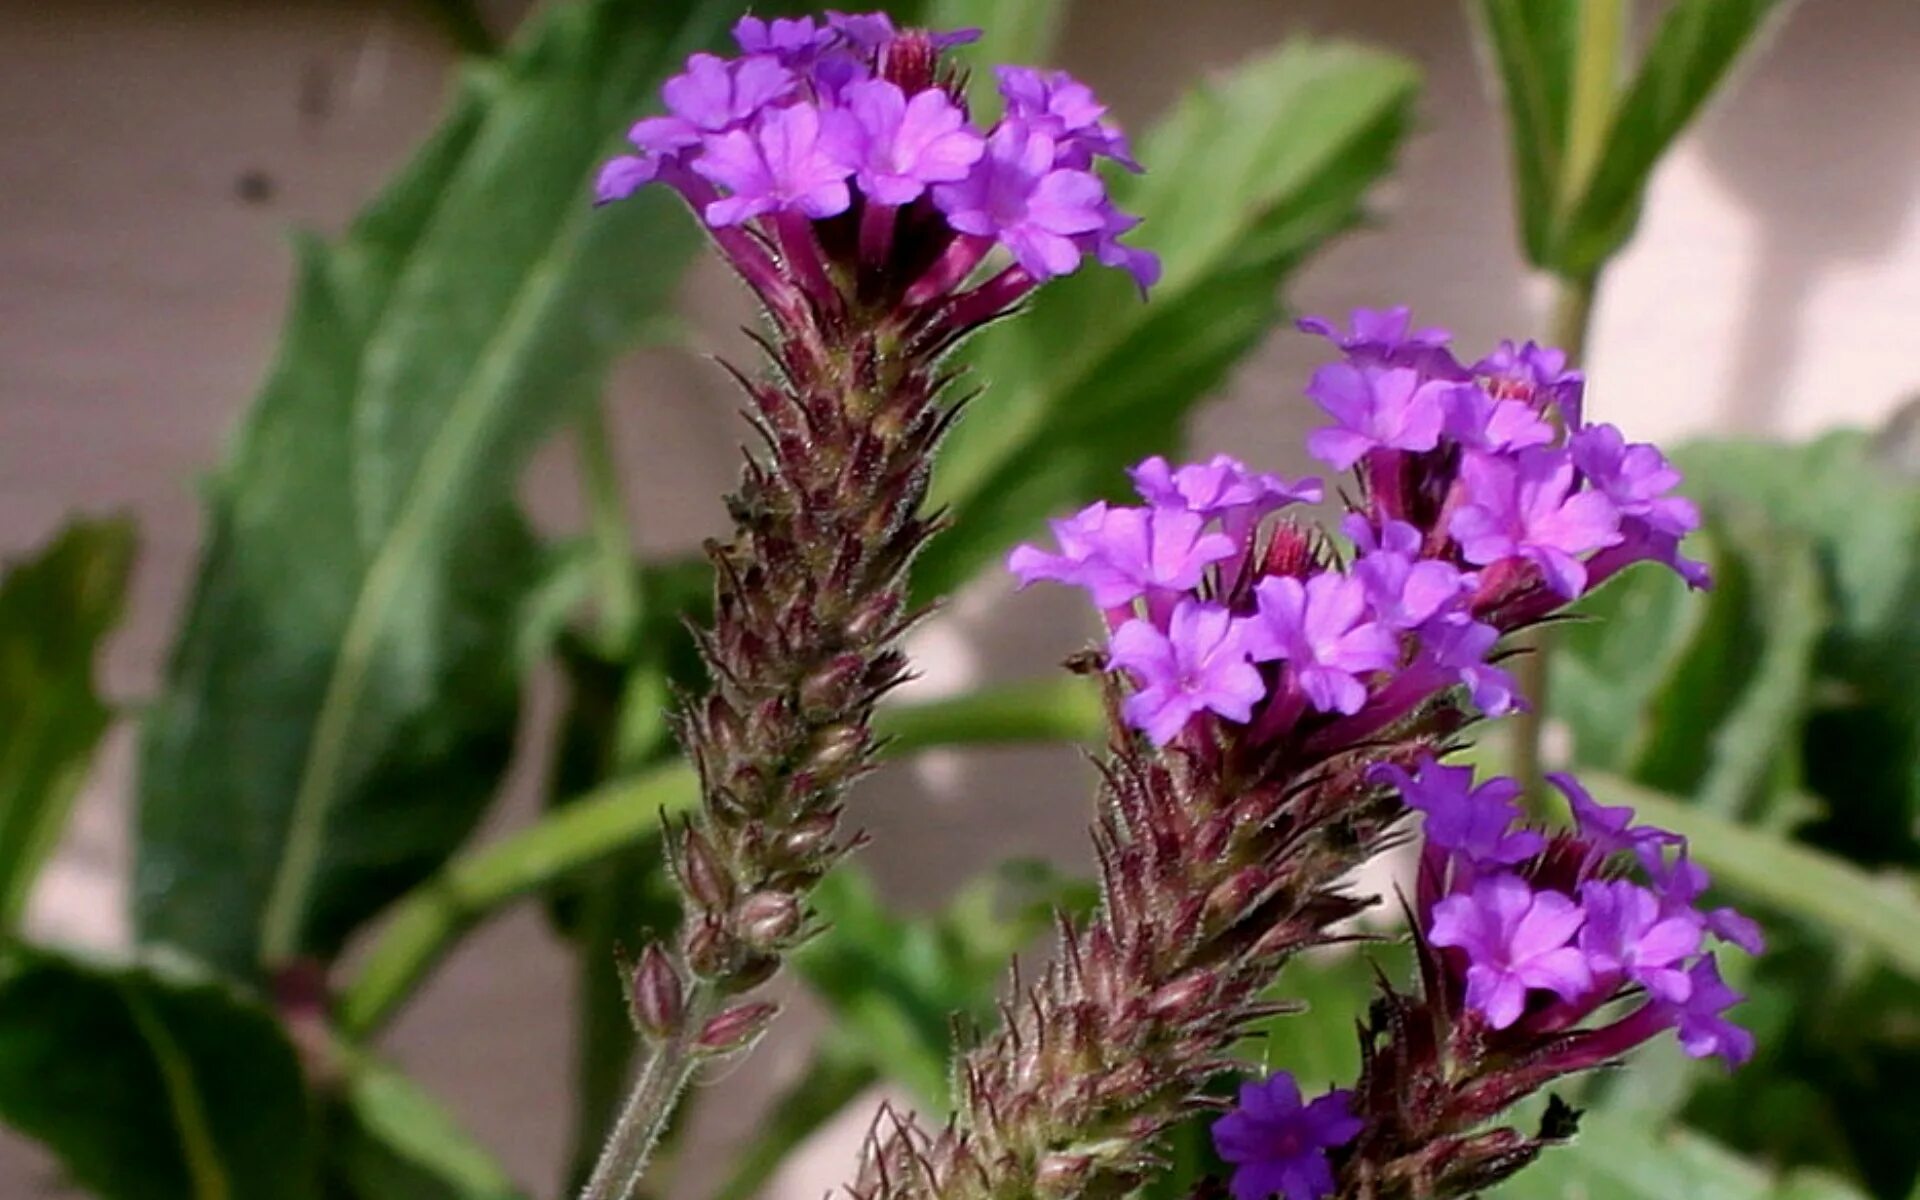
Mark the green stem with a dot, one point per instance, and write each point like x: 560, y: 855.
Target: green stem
x: 428, y: 920
x: 663, y: 1076
x: 619, y: 595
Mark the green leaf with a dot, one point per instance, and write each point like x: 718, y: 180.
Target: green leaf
x: 55, y: 610
x: 1697, y: 42
x: 1613, y: 1159
x: 391, y: 1141
x: 1532, y: 45
x: 897, y: 983
x: 343, y: 693
x: 1248, y: 176
x: 152, y: 1081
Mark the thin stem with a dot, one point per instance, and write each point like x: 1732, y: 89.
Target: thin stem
x: 662, y: 1077
x: 619, y: 593
x: 1571, y: 323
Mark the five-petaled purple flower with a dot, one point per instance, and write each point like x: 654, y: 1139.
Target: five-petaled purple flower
x: 1526, y: 506
x: 1016, y: 195
x: 1390, y: 409
x: 1198, y: 665
x: 1319, y: 629
x: 1278, y: 1143
x: 1473, y: 822
x: 1627, y: 934
x: 1121, y: 554
x: 1515, y: 940
x: 902, y: 145
x: 789, y: 162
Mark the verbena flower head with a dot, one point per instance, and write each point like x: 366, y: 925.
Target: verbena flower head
x: 847, y: 144
x: 1278, y: 1143
x: 1199, y: 664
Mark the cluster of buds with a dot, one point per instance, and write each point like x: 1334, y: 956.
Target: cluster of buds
x: 1278, y: 698
x: 837, y: 169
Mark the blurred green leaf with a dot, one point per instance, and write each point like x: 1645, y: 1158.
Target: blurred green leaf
x: 1090, y: 380
x: 391, y: 1141
x: 152, y: 1082
x: 1693, y: 48
x: 1532, y: 44
x: 55, y: 609
x: 1611, y: 1159
x: 343, y: 693
x: 897, y: 983
x: 839, y: 1071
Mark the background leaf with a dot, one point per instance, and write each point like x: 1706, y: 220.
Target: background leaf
x: 1090, y: 380
x: 1612, y: 1159
x: 390, y: 1141
x: 152, y: 1082
x: 1531, y: 44
x: 55, y: 609
x: 342, y: 695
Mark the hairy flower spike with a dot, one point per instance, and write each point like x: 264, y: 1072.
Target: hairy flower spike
x: 815, y: 160
x: 1279, y: 700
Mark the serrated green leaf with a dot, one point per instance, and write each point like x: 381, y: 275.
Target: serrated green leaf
x: 1695, y: 45
x: 55, y: 609
x: 1532, y: 44
x: 391, y: 1141
x: 1246, y: 177
x: 343, y: 693
x: 152, y: 1081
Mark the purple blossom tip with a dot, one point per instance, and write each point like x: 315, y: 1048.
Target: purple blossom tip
x: 1199, y: 664
x: 1319, y: 629
x: 1373, y: 410
x: 1516, y: 940
x: 1277, y: 1144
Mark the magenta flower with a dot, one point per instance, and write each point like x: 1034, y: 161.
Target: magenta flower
x: 1534, y: 375
x: 1319, y: 628
x: 1515, y: 940
x: 1526, y: 506
x: 1475, y: 823
x: 1218, y: 487
x: 1703, y: 1032
x: 1626, y: 933
x: 711, y: 96
x: 1016, y: 195
x: 790, y: 162
x: 1121, y: 554
x: 1635, y: 477
x: 1376, y: 409
x: 1278, y: 1144
x: 1058, y: 105
x: 1198, y: 665
x: 1403, y: 589
x: 900, y: 146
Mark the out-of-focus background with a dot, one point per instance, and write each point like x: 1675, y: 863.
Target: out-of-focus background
x: 157, y: 154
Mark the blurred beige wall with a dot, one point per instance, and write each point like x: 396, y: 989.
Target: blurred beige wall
x: 154, y: 154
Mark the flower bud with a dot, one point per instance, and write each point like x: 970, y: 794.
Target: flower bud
x: 712, y: 952
x: 767, y: 919
x: 737, y: 1028
x: 706, y: 878
x: 658, y: 997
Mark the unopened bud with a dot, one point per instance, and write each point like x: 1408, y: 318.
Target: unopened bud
x: 1181, y: 997
x: 706, y: 878
x: 1062, y: 1176
x: 737, y: 1028
x: 659, y: 1000
x: 809, y: 836
x: 836, y: 749
x: 711, y: 951
x: 767, y: 919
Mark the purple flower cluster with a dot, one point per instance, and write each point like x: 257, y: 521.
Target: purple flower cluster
x: 854, y: 125
x: 1537, y: 934
x: 1476, y: 515
x: 1278, y: 1143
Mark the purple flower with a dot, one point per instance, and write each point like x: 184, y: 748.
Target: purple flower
x: 1199, y: 665
x: 1515, y: 939
x: 790, y: 162
x: 795, y: 41
x: 1106, y: 246
x: 1477, y: 420
x: 1319, y: 629
x: 900, y: 146
x: 1403, y: 589
x: 1016, y: 195
x: 1525, y: 506
x: 624, y: 175
x: 1473, y: 822
x: 1218, y: 487
x: 1058, y: 105
x: 1386, y: 336
x: 1457, y: 644
x: 1635, y: 477
x: 711, y: 96
x: 1703, y: 1032
x: 1535, y: 375
x: 1278, y: 1145
x: 1627, y: 933
x: 863, y: 31
x: 1119, y: 554
x: 1376, y: 410
x: 1684, y: 881
x: 1609, y: 829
